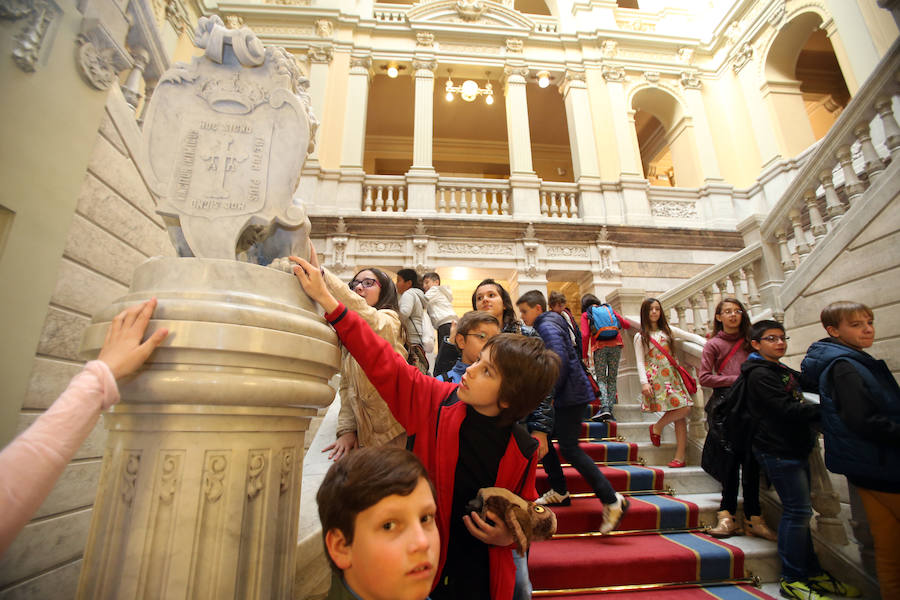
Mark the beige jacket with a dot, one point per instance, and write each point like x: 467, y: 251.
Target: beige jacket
x: 362, y: 409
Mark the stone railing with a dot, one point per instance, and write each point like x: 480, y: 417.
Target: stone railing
x: 473, y: 196
x: 831, y: 180
x: 560, y: 200
x: 545, y: 24
x: 384, y: 193
x: 735, y: 277
x: 390, y: 13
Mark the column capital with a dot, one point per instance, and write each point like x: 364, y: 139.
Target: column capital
x: 424, y: 67
x: 320, y: 53
x: 742, y: 57
x: 690, y: 81
x: 360, y: 64
x: 515, y: 74
x: 572, y: 79
x: 613, y: 73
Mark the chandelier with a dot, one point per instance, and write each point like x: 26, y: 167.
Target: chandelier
x: 469, y: 90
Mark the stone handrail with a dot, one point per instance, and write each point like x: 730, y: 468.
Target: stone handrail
x: 796, y: 224
x: 384, y: 193
x: 560, y: 200
x: 734, y: 277
x: 472, y: 195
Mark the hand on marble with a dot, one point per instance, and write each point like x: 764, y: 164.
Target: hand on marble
x: 313, y: 256
x: 341, y: 446
x: 313, y: 284
x: 496, y: 535
x: 122, y: 349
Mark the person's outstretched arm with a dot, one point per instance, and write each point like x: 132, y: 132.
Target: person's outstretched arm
x: 31, y: 463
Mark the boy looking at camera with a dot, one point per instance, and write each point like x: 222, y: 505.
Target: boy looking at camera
x: 466, y: 435
x: 473, y: 331
x: 377, y: 510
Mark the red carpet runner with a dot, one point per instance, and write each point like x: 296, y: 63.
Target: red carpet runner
x: 653, y: 552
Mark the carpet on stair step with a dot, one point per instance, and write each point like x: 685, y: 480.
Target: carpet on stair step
x: 717, y: 592
x: 608, y: 451
x: 623, y: 478
x: 632, y: 560
x: 597, y: 431
x: 645, y: 512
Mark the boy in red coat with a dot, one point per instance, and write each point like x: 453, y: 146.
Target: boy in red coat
x: 465, y: 434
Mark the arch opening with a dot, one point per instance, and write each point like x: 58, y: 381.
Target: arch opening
x: 665, y: 139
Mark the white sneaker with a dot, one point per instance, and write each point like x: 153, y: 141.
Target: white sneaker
x: 613, y: 513
x: 555, y: 498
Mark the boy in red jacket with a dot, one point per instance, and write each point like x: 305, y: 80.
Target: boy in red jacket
x: 465, y: 434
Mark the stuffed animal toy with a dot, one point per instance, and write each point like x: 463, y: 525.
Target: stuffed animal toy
x: 527, y: 521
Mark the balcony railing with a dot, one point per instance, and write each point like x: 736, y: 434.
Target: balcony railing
x: 560, y: 200
x: 471, y: 196
x: 384, y: 193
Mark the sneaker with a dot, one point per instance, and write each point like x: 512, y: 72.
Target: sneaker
x: 799, y: 590
x: 604, y: 414
x: 613, y: 513
x: 555, y: 498
x: 826, y: 583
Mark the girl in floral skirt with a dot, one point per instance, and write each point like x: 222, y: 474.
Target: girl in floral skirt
x: 661, y: 386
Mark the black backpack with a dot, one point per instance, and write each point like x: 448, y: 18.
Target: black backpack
x: 731, y: 429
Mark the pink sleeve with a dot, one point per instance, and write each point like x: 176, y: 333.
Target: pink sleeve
x: 31, y: 463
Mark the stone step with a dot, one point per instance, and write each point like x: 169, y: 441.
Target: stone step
x: 689, y: 480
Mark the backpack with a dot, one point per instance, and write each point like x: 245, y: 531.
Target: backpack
x: 731, y: 418
x: 603, y: 321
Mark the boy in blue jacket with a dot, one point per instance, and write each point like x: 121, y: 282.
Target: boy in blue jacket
x: 571, y: 393
x: 861, y: 422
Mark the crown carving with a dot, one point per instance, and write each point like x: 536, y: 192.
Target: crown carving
x: 232, y: 95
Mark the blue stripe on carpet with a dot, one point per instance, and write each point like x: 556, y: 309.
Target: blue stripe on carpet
x: 639, y: 478
x: 715, y: 561
x: 672, y: 513
x: 617, y: 451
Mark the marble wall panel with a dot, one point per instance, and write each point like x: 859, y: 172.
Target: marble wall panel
x: 868, y: 261
x: 61, y: 336
x: 82, y: 290
x: 119, y: 173
x: 108, y: 130
x: 91, y: 448
x: 99, y: 250
x: 59, y: 583
x: 49, y: 378
x: 45, y: 544
x: 661, y: 269
x: 75, y: 488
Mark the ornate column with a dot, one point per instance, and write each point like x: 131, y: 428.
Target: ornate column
x: 354, y: 138
x: 525, y: 184
x: 585, y: 163
x: 422, y: 179
x: 761, y: 120
x: 319, y: 58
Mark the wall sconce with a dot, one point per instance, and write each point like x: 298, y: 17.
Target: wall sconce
x: 392, y: 69
x: 543, y: 78
x: 469, y: 90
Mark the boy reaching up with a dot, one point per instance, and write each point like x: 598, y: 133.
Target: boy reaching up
x: 377, y: 510
x: 466, y: 436
x: 861, y: 422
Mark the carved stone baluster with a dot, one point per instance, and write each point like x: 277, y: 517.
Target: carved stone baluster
x: 453, y: 208
x: 494, y: 206
x: 573, y: 205
x: 484, y: 202
x: 817, y: 225
x: 787, y: 262
x: 379, y: 199
x: 834, y: 209
x: 891, y: 129
x: 722, y: 284
x: 401, y: 201
x: 504, y: 202
x: 554, y: 207
x: 131, y: 87
x: 871, y: 161
x: 709, y: 295
x: 442, y: 202
x: 852, y: 185
x: 464, y: 195
x: 680, y: 310
x: 799, y: 235
x: 389, y: 205
x: 752, y: 289
x: 696, y: 304
x: 825, y: 500
x: 545, y: 210
x: 738, y: 289
x: 367, y: 203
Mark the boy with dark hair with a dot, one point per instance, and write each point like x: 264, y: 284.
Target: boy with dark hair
x: 861, y: 422
x: 466, y: 435
x: 570, y: 393
x: 377, y: 510
x: 782, y: 437
x: 440, y: 306
x: 473, y: 331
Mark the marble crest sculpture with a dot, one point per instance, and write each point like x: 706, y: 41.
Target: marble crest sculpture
x: 226, y: 137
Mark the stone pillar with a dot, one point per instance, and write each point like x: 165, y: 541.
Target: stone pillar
x: 627, y: 302
x: 760, y: 118
x: 706, y: 150
x: 320, y: 58
x: 354, y: 138
x: 200, y: 485
x: 525, y: 184
x: 422, y: 179
x: 585, y: 163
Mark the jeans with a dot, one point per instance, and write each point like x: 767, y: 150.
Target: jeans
x: 523, y: 583
x: 566, y: 427
x: 748, y: 473
x: 790, y: 476
x: 606, y: 369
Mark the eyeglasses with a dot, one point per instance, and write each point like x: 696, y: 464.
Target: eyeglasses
x: 774, y: 338
x: 736, y: 311
x: 367, y: 283
x: 479, y: 335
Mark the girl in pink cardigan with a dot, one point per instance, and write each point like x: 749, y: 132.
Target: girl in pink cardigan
x: 31, y: 463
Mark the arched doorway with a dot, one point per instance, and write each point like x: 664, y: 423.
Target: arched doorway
x: 666, y: 139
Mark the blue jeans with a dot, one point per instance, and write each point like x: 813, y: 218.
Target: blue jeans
x: 790, y: 476
x: 566, y: 427
x: 523, y: 583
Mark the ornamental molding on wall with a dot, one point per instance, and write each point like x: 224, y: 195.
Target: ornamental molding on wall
x: 38, y: 24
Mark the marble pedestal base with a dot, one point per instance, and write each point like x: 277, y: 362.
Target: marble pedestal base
x: 200, y: 485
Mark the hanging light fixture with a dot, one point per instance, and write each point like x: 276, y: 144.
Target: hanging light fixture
x: 543, y: 78
x: 392, y: 69
x: 469, y: 90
